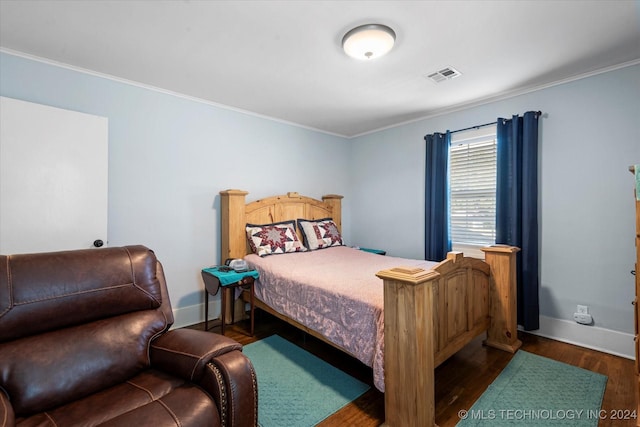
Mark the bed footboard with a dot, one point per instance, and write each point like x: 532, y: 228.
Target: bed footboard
x: 429, y: 315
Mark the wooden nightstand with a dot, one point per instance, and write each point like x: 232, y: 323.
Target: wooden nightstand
x: 636, y: 301
x: 229, y: 281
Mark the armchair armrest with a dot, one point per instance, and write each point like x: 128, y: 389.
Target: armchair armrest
x: 216, y: 364
x: 7, y: 416
x: 186, y: 352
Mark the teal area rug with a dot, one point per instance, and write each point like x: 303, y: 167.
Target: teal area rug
x: 296, y: 388
x: 536, y: 391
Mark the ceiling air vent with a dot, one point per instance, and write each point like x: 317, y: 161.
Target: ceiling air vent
x: 447, y: 73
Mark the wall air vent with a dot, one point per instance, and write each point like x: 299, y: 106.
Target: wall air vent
x: 447, y: 73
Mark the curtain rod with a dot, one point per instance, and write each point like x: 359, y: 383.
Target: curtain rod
x: 538, y: 114
x: 473, y: 127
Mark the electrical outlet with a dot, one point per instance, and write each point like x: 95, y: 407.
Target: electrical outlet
x: 583, y: 309
x: 584, y: 319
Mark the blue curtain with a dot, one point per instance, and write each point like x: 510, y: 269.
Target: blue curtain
x: 517, y: 206
x: 437, y: 240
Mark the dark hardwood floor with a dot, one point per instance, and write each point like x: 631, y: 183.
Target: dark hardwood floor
x: 460, y: 380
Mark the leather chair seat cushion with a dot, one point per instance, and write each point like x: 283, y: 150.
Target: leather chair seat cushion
x: 151, y: 398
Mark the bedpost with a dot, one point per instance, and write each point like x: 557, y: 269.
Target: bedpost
x: 503, y: 331
x: 232, y: 228
x: 335, y: 201
x: 409, y: 397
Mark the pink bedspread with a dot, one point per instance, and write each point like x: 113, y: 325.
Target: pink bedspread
x: 335, y: 292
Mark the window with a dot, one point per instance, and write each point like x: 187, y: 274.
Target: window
x: 472, y: 183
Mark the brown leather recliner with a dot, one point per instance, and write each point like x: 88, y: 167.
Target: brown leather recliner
x: 85, y: 340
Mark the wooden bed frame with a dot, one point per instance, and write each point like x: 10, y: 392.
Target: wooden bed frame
x: 428, y: 315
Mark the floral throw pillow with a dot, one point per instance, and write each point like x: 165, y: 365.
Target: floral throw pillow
x: 320, y: 233
x: 271, y: 239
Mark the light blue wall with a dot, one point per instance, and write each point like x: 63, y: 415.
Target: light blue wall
x: 169, y: 157
x: 589, y: 135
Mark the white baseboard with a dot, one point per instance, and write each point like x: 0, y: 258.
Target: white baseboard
x: 187, y: 316
x: 593, y: 337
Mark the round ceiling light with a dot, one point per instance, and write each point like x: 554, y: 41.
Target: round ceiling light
x: 368, y: 41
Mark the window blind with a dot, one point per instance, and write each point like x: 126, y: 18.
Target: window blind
x: 472, y: 183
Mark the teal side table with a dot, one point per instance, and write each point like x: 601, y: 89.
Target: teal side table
x: 214, y: 279
x: 374, y: 251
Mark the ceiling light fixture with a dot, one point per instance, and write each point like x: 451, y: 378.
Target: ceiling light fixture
x: 368, y: 41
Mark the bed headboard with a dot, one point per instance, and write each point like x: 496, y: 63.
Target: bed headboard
x: 235, y: 213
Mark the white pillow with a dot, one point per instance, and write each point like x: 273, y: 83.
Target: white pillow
x: 320, y: 233
x: 271, y: 239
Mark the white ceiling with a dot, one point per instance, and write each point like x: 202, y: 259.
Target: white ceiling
x: 283, y: 59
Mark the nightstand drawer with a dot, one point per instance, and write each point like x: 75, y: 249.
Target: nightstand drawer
x: 637, y: 340
x: 636, y: 316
